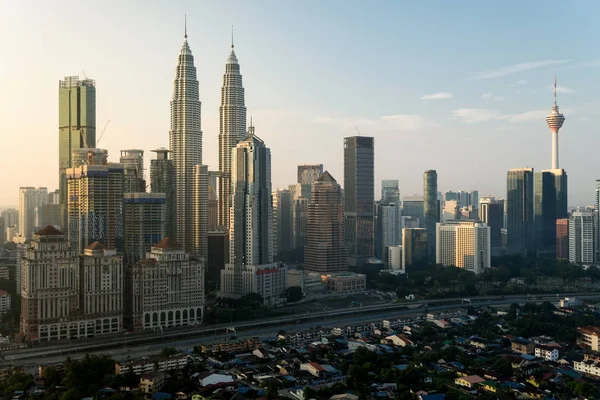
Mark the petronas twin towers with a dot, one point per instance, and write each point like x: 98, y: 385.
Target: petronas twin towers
x: 185, y: 142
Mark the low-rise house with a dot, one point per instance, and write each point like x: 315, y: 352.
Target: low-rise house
x: 589, y: 336
x: 478, y: 342
x: 399, y: 340
x: 469, y: 381
x: 490, y: 386
x: 312, y: 368
x: 589, y: 367
x: 523, y: 346
x: 152, y: 382
x: 440, y: 323
x: 214, y: 379
x: 143, y: 365
x: 546, y: 352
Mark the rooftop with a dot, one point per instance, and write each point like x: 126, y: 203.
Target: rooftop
x: 49, y: 231
x: 167, y: 243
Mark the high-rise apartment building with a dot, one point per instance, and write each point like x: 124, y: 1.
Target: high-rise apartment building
x: 388, y: 228
x: 251, y: 220
x: 100, y: 290
x: 50, y: 288
x: 414, y: 247
x: 463, y: 244
x: 545, y: 210
x: 30, y: 198
x: 581, y: 237
x: 232, y: 129
x: 96, y: 206
x: 144, y: 221
x: 491, y: 212
x: 562, y: 239
x: 359, y: 187
x: 162, y: 180
x: 325, y: 251
x: 133, y: 171
x: 10, y: 216
x: 76, y: 128
x: 519, y: 210
x: 282, y: 221
x: 201, y: 211
x: 431, y: 209
x: 185, y: 142
x: 166, y: 288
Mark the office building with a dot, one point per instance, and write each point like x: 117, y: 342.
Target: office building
x: 299, y: 222
x: 5, y: 303
x: 96, y: 206
x: 201, y: 211
x: 218, y: 249
x: 388, y: 224
x: 308, y: 174
x: 282, y: 221
x: 133, y: 171
x: 145, y: 220
x: 562, y: 239
x: 491, y: 212
x: 10, y: 216
x: 268, y: 280
x: 50, y: 288
x: 414, y: 247
x: 463, y: 244
x: 325, y: 251
x: 359, y: 186
x: 545, y: 210
x: 47, y: 214
x: 519, y: 210
x: 413, y: 209
x: 100, y: 290
x: 345, y: 282
x: 251, y: 221
x: 596, y: 221
x: 167, y: 288
x: 185, y: 142
x: 162, y: 180
x: 30, y: 198
x: 431, y: 209
x: 232, y: 129
x: 390, y: 191
x: 22, y: 245
x: 76, y: 128
x: 451, y: 210
x: 394, y: 259
x: 581, y: 237
x: 213, y: 200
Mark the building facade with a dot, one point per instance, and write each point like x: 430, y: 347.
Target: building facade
x: 283, y: 234
x: 491, y: 212
x: 167, y: 288
x: 201, y: 211
x: 267, y: 280
x: 581, y: 237
x: 133, y: 171
x: 145, y: 220
x: 162, y: 180
x: 359, y: 187
x: 345, y: 282
x: 545, y: 210
x: 463, y: 244
x: 30, y: 198
x: 415, y: 250
x: 562, y: 239
x: 430, y: 210
x: 185, y: 142
x: 519, y: 210
x: 76, y: 128
x: 325, y: 251
x: 309, y: 173
x: 232, y: 129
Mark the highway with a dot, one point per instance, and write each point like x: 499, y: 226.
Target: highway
x: 125, y: 347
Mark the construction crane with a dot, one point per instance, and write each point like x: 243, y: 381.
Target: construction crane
x: 102, y: 133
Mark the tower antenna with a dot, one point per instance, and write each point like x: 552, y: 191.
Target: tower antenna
x: 554, y: 89
x: 185, y: 26
x: 357, y: 131
x: 232, y: 36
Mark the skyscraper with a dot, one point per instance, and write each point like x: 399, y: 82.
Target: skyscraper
x: 463, y: 244
x: 251, y: 220
x: 555, y: 121
x: 491, y: 211
x: 30, y: 198
x: 76, y: 127
x: 562, y: 239
x: 545, y: 210
x: 414, y: 247
x: 144, y: 221
x: 201, y: 211
x: 308, y: 174
x: 581, y: 237
x: 133, y: 171
x: 325, y: 251
x: 359, y: 188
x: 232, y: 129
x: 519, y: 210
x: 390, y: 191
x: 162, y: 180
x: 431, y: 209
x: 282, y: 221
x: 596, y: 220
x: 185, y: 142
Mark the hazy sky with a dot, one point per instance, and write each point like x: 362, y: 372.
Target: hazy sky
x: 460, y: 87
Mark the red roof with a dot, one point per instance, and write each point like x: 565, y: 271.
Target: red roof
x: 167, y: 243
x: 3, y: 292
x: 96, y: 246
x: 49, y: 231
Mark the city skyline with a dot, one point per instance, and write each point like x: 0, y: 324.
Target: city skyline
x: 508, y: 94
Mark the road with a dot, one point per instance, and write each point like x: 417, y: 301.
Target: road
x: 124, y: 350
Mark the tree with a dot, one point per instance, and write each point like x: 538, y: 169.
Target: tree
x: 168, y: 351
x: 293, y: 294
x: 251, y: 300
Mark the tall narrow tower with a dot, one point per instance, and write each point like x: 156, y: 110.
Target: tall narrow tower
x: 555, y: 121
x: 430, y: 210
x: 185, y: 141
x: 232, y: 130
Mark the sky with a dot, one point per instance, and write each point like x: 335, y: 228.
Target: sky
x: 460, y: 87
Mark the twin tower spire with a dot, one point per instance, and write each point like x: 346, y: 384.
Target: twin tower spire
x: 185, y: 137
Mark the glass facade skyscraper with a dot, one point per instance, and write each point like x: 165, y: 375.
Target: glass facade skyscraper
x: 76, y: 129
x: 359, y: 190
x: 431, y: 210
x: 519, y: 210
x: 545, y: 210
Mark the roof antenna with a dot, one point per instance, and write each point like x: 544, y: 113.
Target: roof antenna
x: 232, y: 36
x: 554, y: 89
x: 185, y: 27
x: 357, y: 131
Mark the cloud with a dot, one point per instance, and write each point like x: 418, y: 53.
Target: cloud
x: 561, y: 89
x: 522, y: 82
x: 402, y: 122
x: 515, y: 68
x: 490, y: 95
x: 534, y: 115
x: 437, y: 96
x: 477, y: 115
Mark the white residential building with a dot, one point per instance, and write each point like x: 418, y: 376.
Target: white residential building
x: 463, y: 244
x: 581, y: 237
x: 30, y: 198
x: 590, y: 367
x: 4, y: 302
x: 546, y: 352
x: 395, y: 259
